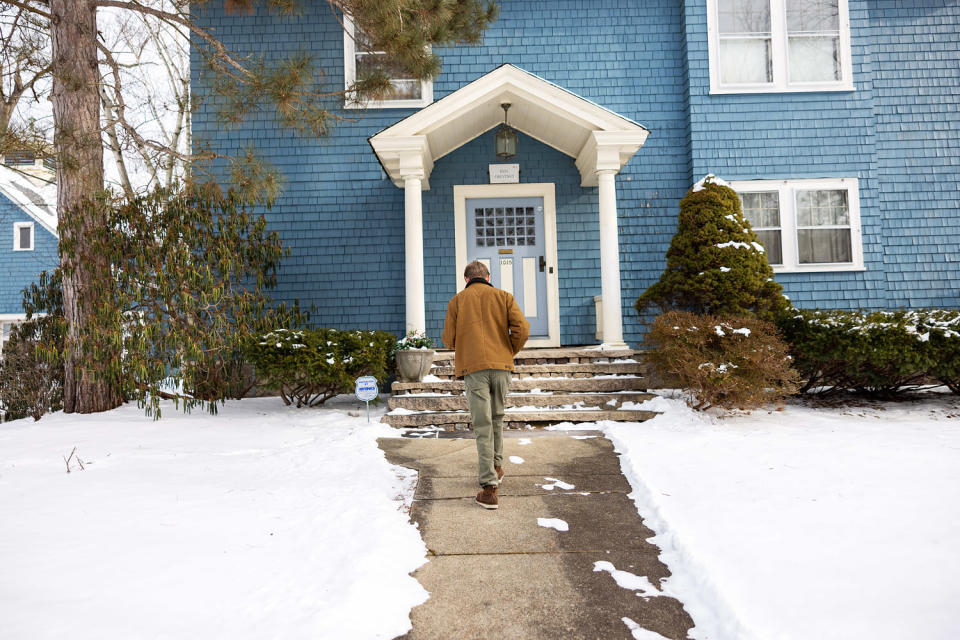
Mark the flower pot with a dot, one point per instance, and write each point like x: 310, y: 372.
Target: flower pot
x: 413, y: 364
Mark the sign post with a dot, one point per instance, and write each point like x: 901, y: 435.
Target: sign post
x: 366, y: 390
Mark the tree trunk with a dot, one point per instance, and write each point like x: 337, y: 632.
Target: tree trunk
x: 76, y: 115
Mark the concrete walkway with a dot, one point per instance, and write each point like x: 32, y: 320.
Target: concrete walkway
x: 500, y: 575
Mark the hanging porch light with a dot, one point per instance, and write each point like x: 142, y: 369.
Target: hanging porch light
x: 506, y: 137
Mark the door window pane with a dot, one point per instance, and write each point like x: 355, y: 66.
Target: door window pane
x: 745, y: 41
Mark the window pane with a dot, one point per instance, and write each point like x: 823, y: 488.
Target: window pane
x: 762, y: 209
x: 745, y: 60
x: 813, y: 15
x: 771, y: 242
x: 814, y: 58
x: 24, y: 238
x: 744, y: 16
x: 822, y: 208
x: 824, y: 245
x: 813, y: 34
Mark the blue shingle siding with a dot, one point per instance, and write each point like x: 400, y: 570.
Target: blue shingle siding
x: 343, y: 220
x: 20, y: 268
x: 916, y: 84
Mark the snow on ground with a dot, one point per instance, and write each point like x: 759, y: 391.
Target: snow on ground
x: 260, y: 522
x: 804, y: 523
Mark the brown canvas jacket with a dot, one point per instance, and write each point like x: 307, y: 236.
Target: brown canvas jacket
x: 485, y: 328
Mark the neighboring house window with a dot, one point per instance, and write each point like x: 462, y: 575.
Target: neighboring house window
x: 23, y: 236
x: 6, y: 326
x: 359, y: 56
x: 779, y: 45
x: 805, y: 225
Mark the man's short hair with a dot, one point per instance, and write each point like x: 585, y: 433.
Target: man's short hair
x: 476, y: 269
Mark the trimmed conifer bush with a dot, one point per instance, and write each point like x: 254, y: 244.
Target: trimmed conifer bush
x: 715, y: 263
x: 879, y: 353
x: 308, y: 367
x: 725, y: 361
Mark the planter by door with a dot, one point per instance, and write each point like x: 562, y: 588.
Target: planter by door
x: 414, y: 364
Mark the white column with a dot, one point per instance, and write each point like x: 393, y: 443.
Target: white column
x: 610, y: 261
x: 413, y: 234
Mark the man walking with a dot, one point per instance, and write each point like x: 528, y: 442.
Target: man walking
x: 485, y: 328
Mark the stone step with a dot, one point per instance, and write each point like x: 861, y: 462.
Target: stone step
x: 459, y: 403
x: 547, y: 356
x: 578, y: 369
x: 595, y: 384
x: 515, y: 418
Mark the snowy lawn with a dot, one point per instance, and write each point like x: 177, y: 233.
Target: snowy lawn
x: 261, y: 522
x: 805, y: 523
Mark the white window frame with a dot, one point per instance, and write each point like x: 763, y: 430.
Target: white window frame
x: 12, y: 319
x: 17, y: 226
x: 780, y: 56
x: 787, y: 190
x: 350, y: 76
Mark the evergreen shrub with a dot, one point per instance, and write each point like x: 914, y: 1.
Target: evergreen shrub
x: 877, y: 353
x: 715, y: 263
x: 308, y: 367
x: 725, y: 361
x: 31, y: 369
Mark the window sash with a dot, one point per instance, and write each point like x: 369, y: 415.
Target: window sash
x: 409, y: 92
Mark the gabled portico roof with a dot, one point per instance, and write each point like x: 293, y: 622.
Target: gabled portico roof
x: 598, y: 139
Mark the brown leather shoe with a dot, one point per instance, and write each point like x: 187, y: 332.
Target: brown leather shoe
x: 487, y: 498
x: 499, y: 471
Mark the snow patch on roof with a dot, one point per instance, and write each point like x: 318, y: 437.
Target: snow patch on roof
x: 40, y: 203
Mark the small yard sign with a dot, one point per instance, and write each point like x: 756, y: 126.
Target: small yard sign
x: 367, y: 390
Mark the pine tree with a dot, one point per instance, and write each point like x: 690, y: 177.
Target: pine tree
x: 715, y: 263
x: 298, y: 92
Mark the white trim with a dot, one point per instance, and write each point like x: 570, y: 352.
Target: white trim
x: 16, y: 236
x: 350, y: 76
x: 545, y: 190
x: 788, y: 220
x: 779, y: 53
x: 579, y: 128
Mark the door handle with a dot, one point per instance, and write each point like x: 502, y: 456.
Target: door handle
x: 543, y: 263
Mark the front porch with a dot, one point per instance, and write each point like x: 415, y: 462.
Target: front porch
x: 596, y: 143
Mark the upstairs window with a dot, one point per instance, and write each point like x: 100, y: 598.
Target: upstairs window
x: 359, y: 56
x: 805, y: 225
x: 779, y: 45
x: 23, y: 236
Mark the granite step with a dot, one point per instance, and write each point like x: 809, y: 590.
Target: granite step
x: 558, y: 356
x: 515, y: 418
x: 459, y: 402
x: 595, y: 384
x: 578, y: 369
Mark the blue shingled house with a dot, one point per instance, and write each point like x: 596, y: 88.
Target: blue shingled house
x: 836, y: 120
x: 28, y: 235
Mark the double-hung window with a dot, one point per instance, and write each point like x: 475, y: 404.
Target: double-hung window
x: 805, y: 225
x: 23, y: 236
x: 779, y: 45
x: 359, y: 56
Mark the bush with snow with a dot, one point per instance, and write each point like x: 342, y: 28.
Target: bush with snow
x: 31, y: 369
x: 877, y: 353
x: 726, y: 361
x: 715, y: 263
x: 308, y: 367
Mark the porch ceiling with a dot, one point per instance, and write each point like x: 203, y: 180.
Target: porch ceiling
x: 595, y: 137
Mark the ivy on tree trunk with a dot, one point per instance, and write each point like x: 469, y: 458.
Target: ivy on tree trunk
x: 88, y: 385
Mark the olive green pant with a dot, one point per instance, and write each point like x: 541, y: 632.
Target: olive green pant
x: 486, y: 393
